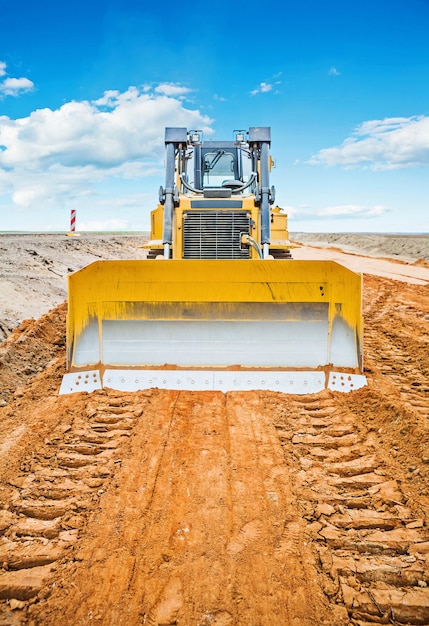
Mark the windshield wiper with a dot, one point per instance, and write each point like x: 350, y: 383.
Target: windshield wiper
x: 210, y: 166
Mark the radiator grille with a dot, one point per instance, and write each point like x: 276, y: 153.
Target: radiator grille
x: 215, y: 234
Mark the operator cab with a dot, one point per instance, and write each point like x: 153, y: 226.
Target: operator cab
x: 220, y: 168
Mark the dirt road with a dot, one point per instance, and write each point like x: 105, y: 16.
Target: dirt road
x: 172, y: 507
x: 416, y: 273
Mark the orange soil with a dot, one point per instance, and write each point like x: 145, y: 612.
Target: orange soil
x: 200, y: 508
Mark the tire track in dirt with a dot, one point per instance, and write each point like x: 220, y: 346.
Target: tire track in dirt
x: 189, y: 532
x: 56, y: 489
x: 397, y: 338
x: 186, y: 531
x: 372, y: 540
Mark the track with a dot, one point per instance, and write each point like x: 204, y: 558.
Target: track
x: 257, y: 508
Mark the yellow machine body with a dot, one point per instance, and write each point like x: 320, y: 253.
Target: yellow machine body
x: 219, y: 303
x: 279, y: 240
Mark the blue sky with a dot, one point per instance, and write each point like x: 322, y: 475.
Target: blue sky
x: 87, y: 88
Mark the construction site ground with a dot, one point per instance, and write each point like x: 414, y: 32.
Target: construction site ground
x: 201, y: 508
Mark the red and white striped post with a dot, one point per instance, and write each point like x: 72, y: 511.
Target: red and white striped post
x: 73, y: 221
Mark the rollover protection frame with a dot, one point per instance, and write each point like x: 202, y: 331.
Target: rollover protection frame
x: 293, y: 327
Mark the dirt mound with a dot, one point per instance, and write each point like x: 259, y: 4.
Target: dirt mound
x: 34, y: 269
x: 30, y: 349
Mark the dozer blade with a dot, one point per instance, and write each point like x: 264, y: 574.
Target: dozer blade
x: 291, y: 326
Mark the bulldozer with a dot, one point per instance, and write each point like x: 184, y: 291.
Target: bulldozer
x: 219, y: 303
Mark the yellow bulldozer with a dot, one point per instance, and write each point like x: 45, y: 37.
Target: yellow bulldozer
x: 219, y: 304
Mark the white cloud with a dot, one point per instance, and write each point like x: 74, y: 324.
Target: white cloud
x: 103, y: 225
x: 24, y: 197
x: 290, y: 211
x: 13, y: 86
x: 337, y: 212
x: 113, y: 130
x: 263, y: 88
x: 110, y: 97
x: 392, y: 143
x: 55, y: 158
x: 352, y: 210
x: 170, y: 89
x: 334, y: 72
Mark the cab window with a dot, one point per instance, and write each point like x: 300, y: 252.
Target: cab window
x: 217, y: 167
